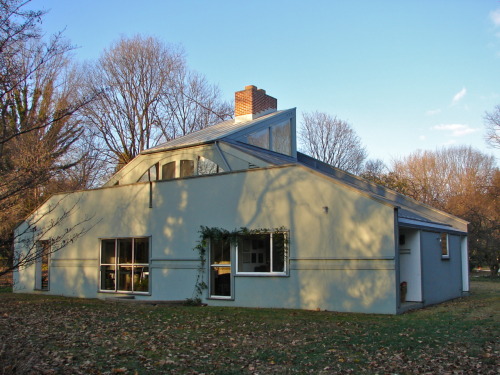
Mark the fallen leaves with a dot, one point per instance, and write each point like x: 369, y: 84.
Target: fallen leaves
x: 53, y: 335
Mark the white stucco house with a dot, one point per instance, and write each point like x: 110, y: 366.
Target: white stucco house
x: 328, y: 240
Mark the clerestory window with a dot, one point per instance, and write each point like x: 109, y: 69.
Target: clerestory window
x: 277, y: 138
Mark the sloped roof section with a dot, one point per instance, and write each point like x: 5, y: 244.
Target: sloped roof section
x: 210, y: 134
x: 408, y: 208
x: 268, y: 156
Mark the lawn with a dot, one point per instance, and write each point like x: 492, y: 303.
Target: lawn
x: 55, y: 335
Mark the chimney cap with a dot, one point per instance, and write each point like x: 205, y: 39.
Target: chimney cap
x: 250, y: 87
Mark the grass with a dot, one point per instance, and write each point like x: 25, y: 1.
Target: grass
x: 45, y: 334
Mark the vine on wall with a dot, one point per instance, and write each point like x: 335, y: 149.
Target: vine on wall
x: 219, y: 234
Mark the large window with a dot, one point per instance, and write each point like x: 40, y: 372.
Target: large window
x: 282, y: 138
x: 276, y: 138
x: 125, y: 265
x: 262, y: 253
x: 259, y: 138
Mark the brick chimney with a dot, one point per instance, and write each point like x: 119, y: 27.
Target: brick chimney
x: 252, y: 103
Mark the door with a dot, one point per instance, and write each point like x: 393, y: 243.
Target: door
x: 220, y: 269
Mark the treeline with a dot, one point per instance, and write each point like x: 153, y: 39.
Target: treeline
x: 459, y: 180
x: 66, y: 126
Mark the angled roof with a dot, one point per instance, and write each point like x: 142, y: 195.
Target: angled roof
x: 263, y: 154
x: 231, y: 133
x: 413, y: 211
x: 211, y: 133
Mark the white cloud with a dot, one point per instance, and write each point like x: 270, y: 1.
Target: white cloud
x: 457, y: 130
x: 432, y: 112
x: 495, y: 17
x: 422, y: 137
x: 459, y: 96
x: 450, y: 142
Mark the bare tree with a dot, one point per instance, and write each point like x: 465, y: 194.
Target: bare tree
x: 464, y: 182
x: 38, y: 126
x: 436, y: 176
x: 60, y: 230
x: 149, y: 96
x: 332, y: 141
x: 493, y: 127
x: 193, y: 104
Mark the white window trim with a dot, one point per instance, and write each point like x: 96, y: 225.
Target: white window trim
x: 447, y: 255
x: 229, y: 265
x: 270, y: 273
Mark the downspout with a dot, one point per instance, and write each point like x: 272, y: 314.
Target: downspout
x: 150, y: 188
x: 226, y: 164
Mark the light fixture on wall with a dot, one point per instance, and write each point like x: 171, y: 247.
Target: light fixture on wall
x: 325, y: 209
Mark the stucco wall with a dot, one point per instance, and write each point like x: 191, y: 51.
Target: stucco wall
x: 441, y: 278
x: 341, y: 260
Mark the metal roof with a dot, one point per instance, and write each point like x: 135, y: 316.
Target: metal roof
x: 211, y: 133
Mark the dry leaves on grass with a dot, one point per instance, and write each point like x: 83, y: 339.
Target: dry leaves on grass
x: 53, y: 335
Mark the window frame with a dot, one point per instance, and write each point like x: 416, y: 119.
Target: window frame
x: 42, y: 277
x: 212, y: 264
x: 165, y: 167
x: 186, y: 168
x: 445, y: 252
x: 133, y: 265
x: 269, y: 273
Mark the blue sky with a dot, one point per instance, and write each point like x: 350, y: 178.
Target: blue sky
x: 407, y: 75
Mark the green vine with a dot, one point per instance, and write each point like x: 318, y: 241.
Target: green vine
x: 219, y: 234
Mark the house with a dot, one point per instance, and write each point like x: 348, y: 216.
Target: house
x: 314, y: 237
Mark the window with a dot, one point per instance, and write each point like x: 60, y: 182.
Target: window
x: 42, y: 265
x: 125, y: 265
x: 151, y: 174
x: 220, y: 268
x: 262, y: 253
x: 207, y: 166
x: 277, y: 138
x: 259, y: 138
x: 187, y: 168
x: 402, y: 239
x: 445, y: 251
x: 282, y: 138
x: 168, y: 171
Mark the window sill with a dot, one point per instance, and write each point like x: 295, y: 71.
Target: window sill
x: 125, y: 292
x: 221, y: 298
x: 262, y: 274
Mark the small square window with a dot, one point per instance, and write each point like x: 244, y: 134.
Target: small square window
x: 168, y: 171
x: 187, y: 168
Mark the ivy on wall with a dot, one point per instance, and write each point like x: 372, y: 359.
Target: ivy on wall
x: 219, y: 234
